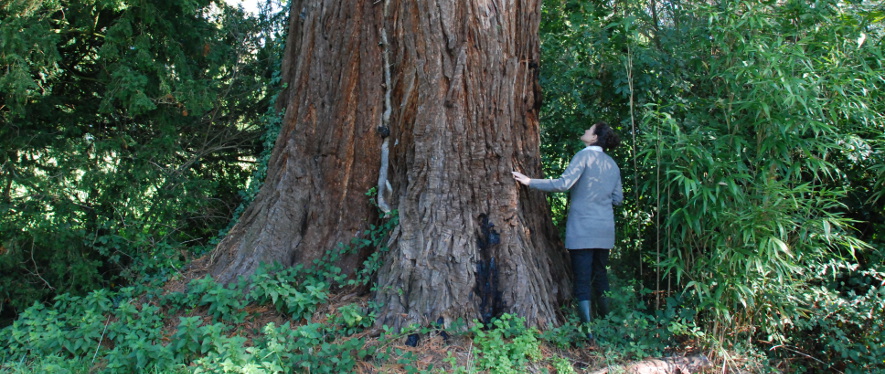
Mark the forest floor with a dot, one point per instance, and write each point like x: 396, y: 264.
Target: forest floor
x: 439, y: 351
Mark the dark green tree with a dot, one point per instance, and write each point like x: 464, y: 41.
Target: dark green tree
x: 128, y: 127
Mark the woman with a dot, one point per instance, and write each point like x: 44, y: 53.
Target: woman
x: 595, y: 183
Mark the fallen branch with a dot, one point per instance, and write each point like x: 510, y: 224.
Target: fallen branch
x: 669, y: 365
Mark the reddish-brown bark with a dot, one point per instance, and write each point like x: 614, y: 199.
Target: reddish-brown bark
x: 464, y: 113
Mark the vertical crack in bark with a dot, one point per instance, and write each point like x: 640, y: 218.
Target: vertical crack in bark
x: 385, y: 190
x: 487, y: 288
x: 456, y: 84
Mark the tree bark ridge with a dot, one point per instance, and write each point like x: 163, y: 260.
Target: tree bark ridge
x: 471, y: 126
x: 465, y: 115
x: 313, y: 196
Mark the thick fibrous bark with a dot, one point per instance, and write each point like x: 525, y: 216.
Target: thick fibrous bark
x: 466, y: 98
x: 464, y: 113
x: 323, y: 160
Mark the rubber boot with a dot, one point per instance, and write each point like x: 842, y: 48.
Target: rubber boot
x: 584, y: 310
x: 584, y: 315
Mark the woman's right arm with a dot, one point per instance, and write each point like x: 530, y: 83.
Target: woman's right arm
x: 568, y: 178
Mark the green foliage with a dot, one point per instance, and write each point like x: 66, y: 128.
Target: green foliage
x: 352, y: 318
x: 117, y: 332
x: 749, y: 168
x: 757, y: 129
x: 635, y: 330
x: 127, y: 130
x: 222, y: 302
x: 385, y: 352
x: 46, y: 331
x: 563, y: 336
x: 562, y: 366
x: 506, y: 346
x: 376, y: 238
x: 753, y: 168
x: 133, y: 330
x: 79, y: 326
x: 51, y: 364
x: 845, y: 329
x: 324, y: 271
x: 278, y: 286
x: 130, y: 330
x: 314, y: 348
x: 272, y: 121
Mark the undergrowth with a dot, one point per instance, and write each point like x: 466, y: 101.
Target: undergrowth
x: 298, y: 319
x: 317, y: 320
x: 212, y: 328
x: 287, y: 320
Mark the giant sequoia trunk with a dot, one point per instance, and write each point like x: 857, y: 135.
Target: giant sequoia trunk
x: 454, y: 83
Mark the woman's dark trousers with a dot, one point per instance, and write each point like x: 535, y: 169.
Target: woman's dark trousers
x: 591, y: 279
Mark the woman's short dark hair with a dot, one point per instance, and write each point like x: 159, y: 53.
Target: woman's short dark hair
x: 606, y: 136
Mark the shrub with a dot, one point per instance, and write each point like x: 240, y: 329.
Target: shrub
x: 845, y: 327
x: 505, y: 346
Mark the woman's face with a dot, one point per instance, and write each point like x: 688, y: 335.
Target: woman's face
x: 589, y: 137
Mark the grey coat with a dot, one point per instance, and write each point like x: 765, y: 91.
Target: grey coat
x: 595, y: 183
